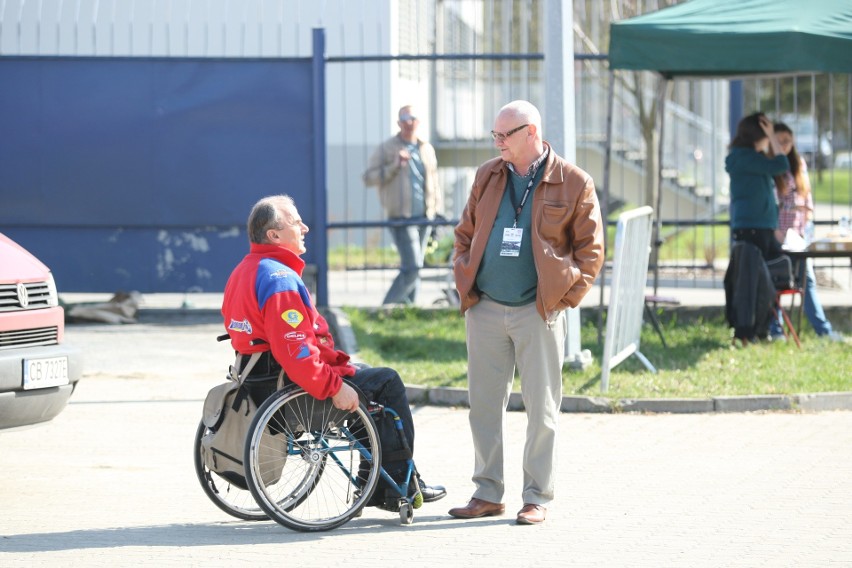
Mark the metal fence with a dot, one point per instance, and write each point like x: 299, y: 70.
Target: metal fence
x: 627, y: 296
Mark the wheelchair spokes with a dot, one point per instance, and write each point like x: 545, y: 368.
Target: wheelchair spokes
x: 308, y: 465
x: 326, y: 476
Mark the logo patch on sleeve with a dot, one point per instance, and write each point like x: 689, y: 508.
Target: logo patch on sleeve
x: 293, y: 318
x: 241, y: 326
x: 295, y: 336
x: 300, y: 351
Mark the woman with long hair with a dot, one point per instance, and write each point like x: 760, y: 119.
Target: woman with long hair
x: 795, y: 211
x: 755, y: 157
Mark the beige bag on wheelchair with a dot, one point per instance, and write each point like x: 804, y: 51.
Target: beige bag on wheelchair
x: 228, y: 412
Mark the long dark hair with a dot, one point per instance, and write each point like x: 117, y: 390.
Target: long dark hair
x: 803, y: 187
x: 748, y: 131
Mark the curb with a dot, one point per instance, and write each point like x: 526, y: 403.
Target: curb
x: 825, y: 401
x: 447, y: 396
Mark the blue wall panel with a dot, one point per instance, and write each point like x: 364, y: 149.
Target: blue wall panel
x: 144, y: 259
x: 126, y: 173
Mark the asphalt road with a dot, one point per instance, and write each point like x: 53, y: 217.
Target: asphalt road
x: 110, y: 482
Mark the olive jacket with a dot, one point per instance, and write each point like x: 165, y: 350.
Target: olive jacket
x: 394, y: 185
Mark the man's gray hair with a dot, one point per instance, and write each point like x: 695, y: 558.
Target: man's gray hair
x: 266, y: 215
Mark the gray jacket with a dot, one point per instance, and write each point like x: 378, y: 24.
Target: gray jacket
x: 383, y: 170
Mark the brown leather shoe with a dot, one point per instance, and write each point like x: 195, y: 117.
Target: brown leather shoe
x: 478, y: 508
x: 531, y: 514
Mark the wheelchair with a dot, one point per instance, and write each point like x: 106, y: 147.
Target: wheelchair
x: 310, y: 466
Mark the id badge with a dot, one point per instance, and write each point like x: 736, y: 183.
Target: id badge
x: 511, y: 245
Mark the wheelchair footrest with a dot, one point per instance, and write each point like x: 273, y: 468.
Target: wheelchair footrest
x: 388, y: 498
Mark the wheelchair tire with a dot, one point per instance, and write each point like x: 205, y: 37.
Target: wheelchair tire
x: 329, y: 460
x: 233, y: 500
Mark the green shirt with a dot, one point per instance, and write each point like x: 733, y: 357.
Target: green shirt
x: 753, y: 204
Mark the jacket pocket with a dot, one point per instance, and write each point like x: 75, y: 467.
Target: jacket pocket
x: 554, y: 222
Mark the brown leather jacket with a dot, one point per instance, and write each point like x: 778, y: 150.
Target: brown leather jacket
x: 567, y: 233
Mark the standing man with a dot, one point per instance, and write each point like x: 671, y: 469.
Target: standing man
x: 405, y: 170
x: 265, y: 299
x: 529, y: 244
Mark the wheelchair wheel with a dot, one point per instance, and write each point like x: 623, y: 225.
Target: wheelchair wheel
x: 310, y: 466
x: 233, y: 500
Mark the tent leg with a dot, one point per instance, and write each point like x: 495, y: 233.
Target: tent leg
x: 661, y: 106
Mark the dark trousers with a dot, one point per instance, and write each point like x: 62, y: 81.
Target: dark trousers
x: 764, y: 239
x: 383, y: 385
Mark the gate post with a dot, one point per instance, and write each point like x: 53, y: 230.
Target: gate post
x: 320, y: 209
x: 559, y: 123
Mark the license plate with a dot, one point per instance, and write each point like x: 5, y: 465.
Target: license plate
x: 47, y: 372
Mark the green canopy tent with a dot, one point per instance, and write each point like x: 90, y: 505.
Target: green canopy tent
x: 737, y: 37
x: 728, y: 38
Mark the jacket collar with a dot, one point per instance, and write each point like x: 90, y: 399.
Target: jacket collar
x: 417, y: 141
x: 533, y: 168
x: 552, y: 170
x: 287, y: 257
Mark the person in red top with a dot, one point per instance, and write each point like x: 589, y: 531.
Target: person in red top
x: 267, y: 307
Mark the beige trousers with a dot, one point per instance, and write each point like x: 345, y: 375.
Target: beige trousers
x: 499, y: 338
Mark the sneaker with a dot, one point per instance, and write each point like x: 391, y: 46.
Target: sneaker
x: 780, y: 338
x: 834, y: 336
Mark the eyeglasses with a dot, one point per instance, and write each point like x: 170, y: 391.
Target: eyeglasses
x: 407, y: 118
x: 500, y: 136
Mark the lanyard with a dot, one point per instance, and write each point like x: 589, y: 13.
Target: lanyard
x: 519, y: 208
x: 532, y: 173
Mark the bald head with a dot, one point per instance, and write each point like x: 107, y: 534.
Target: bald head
x: 523, y: 112
x: 517, y: 134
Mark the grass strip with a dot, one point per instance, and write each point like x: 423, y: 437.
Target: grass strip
x: 427, y: 347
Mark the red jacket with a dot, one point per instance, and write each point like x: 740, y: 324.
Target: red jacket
x: 266, y: 299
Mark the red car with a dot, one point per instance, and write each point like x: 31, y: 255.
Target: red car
x: 38, y: 371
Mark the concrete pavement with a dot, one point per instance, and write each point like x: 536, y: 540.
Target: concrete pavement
x: 110, y: 482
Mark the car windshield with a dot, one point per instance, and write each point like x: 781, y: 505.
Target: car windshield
x: 801, y: 125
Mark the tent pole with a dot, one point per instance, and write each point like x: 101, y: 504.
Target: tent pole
x: 605, y: 196
x: 661, y: 105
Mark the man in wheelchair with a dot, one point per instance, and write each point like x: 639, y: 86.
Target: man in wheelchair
x: 267, y: 307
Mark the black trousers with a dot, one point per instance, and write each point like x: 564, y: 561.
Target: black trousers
x: 384, y: 385
x: 764, y: 239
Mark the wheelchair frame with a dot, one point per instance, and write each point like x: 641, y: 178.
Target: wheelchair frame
x: 321, y: 464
